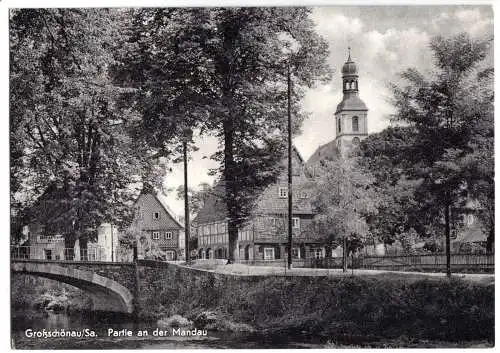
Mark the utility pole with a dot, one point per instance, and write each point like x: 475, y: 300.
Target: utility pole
x: 188, y: 133
x: 290, y: 240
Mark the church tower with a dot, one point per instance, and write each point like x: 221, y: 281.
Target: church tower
x: 351, y: 123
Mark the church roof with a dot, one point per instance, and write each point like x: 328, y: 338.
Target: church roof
x: 349, y: 68
x: 327, y: 151
x: 351, y: 102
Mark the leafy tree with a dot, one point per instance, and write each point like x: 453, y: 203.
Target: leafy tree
x: 197, y: 198
x: 224, y: 70
x: 440, y: 111
x: 478, y: 165
x: 400, y: 207
x: 344, y: 197
x: 75, y: 159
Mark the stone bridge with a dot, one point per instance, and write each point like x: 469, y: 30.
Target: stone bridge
x: 141, y: 288
x: 112, y: 286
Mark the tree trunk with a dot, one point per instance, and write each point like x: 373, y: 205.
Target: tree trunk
x: 344, y: 255
x: 490, y: 240
x: 69, y: 247
x: 233, y: 243
x: 447, y: 234
x: 231, y: 191
x: 84, y: 252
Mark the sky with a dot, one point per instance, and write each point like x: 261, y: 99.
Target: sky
x: 384, y: 41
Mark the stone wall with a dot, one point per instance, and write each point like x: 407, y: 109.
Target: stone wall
x: 166, y: 287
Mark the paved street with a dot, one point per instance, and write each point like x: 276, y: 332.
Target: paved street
x: 241, y: 269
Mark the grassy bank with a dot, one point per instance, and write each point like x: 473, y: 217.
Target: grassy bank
x: 340, y: 309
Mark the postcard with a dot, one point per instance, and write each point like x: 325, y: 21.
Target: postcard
x: 252, y: 177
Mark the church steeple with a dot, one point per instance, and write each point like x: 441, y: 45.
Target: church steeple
x: 351, y: 114
x: 350, y: 75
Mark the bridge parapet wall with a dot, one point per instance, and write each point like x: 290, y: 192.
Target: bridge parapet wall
x: 122, y: 273
x: 168, y: 289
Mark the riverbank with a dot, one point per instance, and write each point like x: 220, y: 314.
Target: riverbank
x: 44, y: 294
x: 339, y: 309
x: 336, y: 311
x: 215, y: 339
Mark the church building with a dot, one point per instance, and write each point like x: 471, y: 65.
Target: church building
x: 351, y: 117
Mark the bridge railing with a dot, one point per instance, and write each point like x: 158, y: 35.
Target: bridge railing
x: 93, y: 253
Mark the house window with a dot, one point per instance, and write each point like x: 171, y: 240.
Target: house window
x: 339, y: 127
x: 355, y: 123
x: 156, y: 235
x: 168, y: 235
x: 213, y: 229
x: 295, y: 222
x: 317, y: 253
x: 170, y: 255
x: 156, y: 215
x: 268, y: 253
x: 296, y: 253
x: 303, y: 195
x: 283, y: 192
x: 470, y: 219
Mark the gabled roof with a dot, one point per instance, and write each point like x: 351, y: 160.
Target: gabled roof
x: 327, y: 151
x: 163, y: 202
x: 215, y: 210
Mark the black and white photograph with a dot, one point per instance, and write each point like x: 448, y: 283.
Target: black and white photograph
x: 251, y: 177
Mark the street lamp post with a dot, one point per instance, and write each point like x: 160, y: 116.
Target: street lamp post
x: 187, y: 135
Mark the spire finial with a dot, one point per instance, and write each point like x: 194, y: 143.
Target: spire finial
x: 349, y: 49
